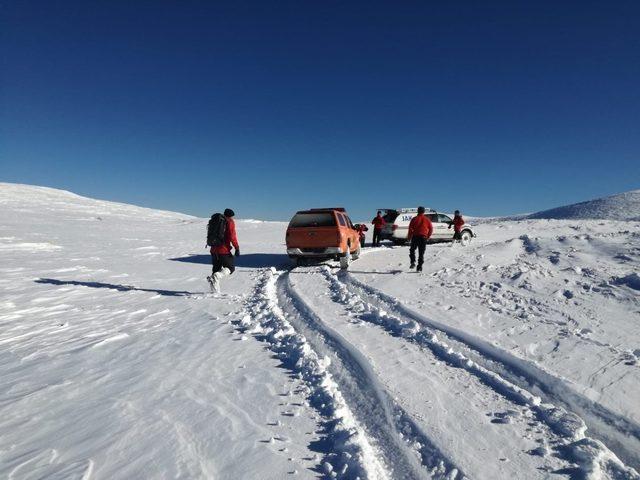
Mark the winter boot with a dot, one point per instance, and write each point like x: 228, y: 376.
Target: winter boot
x: 215, y: 279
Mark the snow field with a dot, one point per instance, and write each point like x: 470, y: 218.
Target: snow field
x: 351, y: 454
x: 515, y: 357
x: 567, y: 425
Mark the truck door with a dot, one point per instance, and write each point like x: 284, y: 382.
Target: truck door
x: 439, y: 229
x: 445, y: 220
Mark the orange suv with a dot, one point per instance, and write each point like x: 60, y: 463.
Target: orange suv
x: 322, y: 233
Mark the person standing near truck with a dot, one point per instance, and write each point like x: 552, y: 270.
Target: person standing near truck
x: 378, y: 223
x: 457, y: 224
x: 420, y: 230
x: 361, y: 228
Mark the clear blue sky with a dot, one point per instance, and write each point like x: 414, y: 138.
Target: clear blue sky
x: 267, y: 107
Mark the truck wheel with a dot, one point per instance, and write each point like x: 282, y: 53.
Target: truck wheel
x: 465, y: 238
x: 356, y: 254
x: 346, y: 260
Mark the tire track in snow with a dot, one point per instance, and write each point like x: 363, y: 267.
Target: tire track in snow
x: 352, y: 455
x: 407, y: 451
x: 508, y: 376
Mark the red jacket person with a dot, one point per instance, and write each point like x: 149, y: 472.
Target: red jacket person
x: 378, y: 222
x: 420, y: 230
x: 457, y: 223
x: 221, y: 258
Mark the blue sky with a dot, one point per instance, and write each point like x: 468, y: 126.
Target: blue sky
x: 267, y: 107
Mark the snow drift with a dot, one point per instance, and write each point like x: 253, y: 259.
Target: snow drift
x: 623, y: 206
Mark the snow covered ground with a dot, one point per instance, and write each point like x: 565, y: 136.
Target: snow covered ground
x: 515, y: 357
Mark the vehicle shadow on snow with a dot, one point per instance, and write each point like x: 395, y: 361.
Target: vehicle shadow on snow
x: 120, y: 288
x: 249, y: 260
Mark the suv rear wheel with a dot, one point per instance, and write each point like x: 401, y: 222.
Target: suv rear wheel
x: 346, y: 260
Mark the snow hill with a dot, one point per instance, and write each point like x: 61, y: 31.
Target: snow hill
x: 515, y: 357
x: 623, y: 206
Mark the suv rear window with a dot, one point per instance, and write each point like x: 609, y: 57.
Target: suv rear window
x: 325, y: 219
x: 390, y: 216
x: 341, y: 220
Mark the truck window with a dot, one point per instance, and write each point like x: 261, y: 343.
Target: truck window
x: 341, y: 219
x: 390, y: 216
x: 443, y: 218
x: 324, y: 219
x: 349, y: 221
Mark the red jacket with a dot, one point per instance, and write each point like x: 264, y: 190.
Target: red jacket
x: 457, y: 223
x: 420, y: 226
x: 378, y: 223
x: 230, y: 238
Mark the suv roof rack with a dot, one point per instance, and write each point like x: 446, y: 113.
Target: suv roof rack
x: 339, y: 209
x: 409, y: 209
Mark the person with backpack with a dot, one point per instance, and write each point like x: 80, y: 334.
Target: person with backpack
x: 457, y: 224
x: 221, y: 236
x: 378, y: 222
x: 420, y: 230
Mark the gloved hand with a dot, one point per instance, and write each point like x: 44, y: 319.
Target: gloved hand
x: 237, y: 252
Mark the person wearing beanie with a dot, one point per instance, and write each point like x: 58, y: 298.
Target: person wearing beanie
x: 457, y: 224
x: 378, y: 224
x: 420, y: 230
x: 221, y: 257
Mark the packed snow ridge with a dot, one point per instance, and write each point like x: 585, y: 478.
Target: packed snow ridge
x: 517, y: 356
x: 623, y: 206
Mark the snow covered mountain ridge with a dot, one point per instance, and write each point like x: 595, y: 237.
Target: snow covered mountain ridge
x: 622, y: 206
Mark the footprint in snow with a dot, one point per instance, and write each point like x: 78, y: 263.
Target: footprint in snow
x: 504, y: 417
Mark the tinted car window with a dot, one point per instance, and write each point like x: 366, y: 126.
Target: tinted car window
x: 390, y: 216
x: 341, y: 220
x: 444, y: 218
x: 313, y: 220
x: 433, y: 217
x: 348, y: 221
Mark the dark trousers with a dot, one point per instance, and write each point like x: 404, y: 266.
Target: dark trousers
x: 221, y: 261
x: 376, y: 237
x: 457, y: 235
x: 420, y: 243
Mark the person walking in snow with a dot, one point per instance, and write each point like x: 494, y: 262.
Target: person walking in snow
x: 420, y: 230
x: 221, y: 236
x: 457, y: 224
x: 378, y: 222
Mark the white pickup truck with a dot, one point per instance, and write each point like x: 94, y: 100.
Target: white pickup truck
x: 397, y: 226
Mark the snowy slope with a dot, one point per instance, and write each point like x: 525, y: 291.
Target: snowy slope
x: 516, y: 357
x: 623, y: 206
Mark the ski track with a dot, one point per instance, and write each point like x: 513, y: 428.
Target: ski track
x: 351, y: 454
x: 407, y: 451
x: 492, y: 365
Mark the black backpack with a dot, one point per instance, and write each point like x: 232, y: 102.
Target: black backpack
x: 216, y: 229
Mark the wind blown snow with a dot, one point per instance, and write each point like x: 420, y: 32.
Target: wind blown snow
x: 515, y: 357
